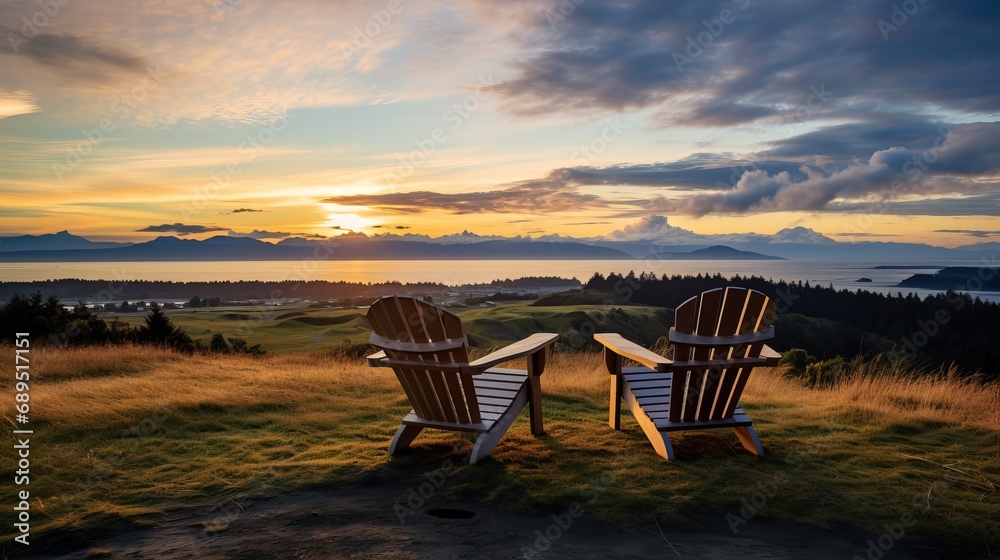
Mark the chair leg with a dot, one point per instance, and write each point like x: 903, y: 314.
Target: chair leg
x: 659, y: 440
x: 615, y: 407
x: 614, y: 363
x: 485, y: 444
x: 536, y: 365
x: 535, y: 405
x: 748, y: 437
x: 404, y: 436
x: 488, y: 440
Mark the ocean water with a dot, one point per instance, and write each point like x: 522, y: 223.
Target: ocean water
x: 841, y: 274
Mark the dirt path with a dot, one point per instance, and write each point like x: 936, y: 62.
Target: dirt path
x: 364, y: 522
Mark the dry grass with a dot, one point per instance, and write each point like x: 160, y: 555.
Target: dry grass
x: 121, y: 432
x: 882, y: 395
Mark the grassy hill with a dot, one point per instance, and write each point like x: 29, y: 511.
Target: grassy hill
x: 125, y: 433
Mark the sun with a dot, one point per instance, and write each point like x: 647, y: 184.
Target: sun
x: 341, y: 220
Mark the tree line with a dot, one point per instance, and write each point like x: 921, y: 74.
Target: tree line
x: 940, y: 329
x: 48, y: 321
x: 133, y: 290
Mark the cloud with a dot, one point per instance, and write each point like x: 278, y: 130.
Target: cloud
x: 867, y: 234
x: 72, y: 56
x: 657, y: 229
x: 980, y: 205
x: 937, y: 163
x: 718, y: 113
x: 763, y: 62
x: 264, y: 234
x: 697, y: 171
x: 970, y: 232
x: 841, y: 142
x: 654, y: 227
x: 249, y: 62
x: 16, y: 103
x: 181, y: 229
x: 531, y: 197
x: 244, y: 210
x: 889, y: 174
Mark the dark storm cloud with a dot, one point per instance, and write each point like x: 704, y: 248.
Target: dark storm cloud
x: 695, y: 172
x: 758, y: 58
x: 720, y: 113
x: 840, y: 143
x: 943, y: 167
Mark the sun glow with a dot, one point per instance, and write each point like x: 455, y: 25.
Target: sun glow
x: 342, y: 219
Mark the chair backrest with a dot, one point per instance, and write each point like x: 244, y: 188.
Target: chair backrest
x: 717, y: 339
x: 426, y: 348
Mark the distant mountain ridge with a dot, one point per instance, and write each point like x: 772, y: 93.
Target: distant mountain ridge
x: 714, y: 253
x: 658, y: 240
x: 52, y: 242
x: 224, y: 248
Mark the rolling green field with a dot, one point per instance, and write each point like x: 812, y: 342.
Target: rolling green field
x: 299, y: 328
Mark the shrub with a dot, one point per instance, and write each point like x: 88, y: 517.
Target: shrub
x: 353, y: 350
x: 239, y: 346
x: 798, y: 359
x: 825, y: 373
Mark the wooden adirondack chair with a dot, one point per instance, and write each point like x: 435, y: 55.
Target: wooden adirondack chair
x: 425, y: 347
x: 717, y: 338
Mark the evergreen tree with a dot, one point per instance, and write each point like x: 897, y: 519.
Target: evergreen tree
x: 159, y: 329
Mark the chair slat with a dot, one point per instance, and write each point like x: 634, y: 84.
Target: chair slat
x: 442, y: 395
x: 686, y: 315
x: 461, y: 407
x: 428, y: 317
x: 725, y: 394
x: 734, y: 302
x: 709, y: 305
x: 419, y: 397
x: 472, y: 401
x: 743, y: 376
x: 709, y: 394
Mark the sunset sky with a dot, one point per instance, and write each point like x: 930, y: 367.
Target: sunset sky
x: 863, y: 120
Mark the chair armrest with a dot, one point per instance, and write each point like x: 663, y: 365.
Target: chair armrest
x: 713, y: 340
x: 525, y: 347
x: 628, y: 349
x: 375, y: 360
x: 771, y: 356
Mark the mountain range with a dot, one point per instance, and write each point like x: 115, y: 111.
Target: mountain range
x: 224, y: 248
x: 656, y: 239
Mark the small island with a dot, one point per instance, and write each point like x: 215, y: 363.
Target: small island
x: 863, y: 279
x: 958, y: 278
